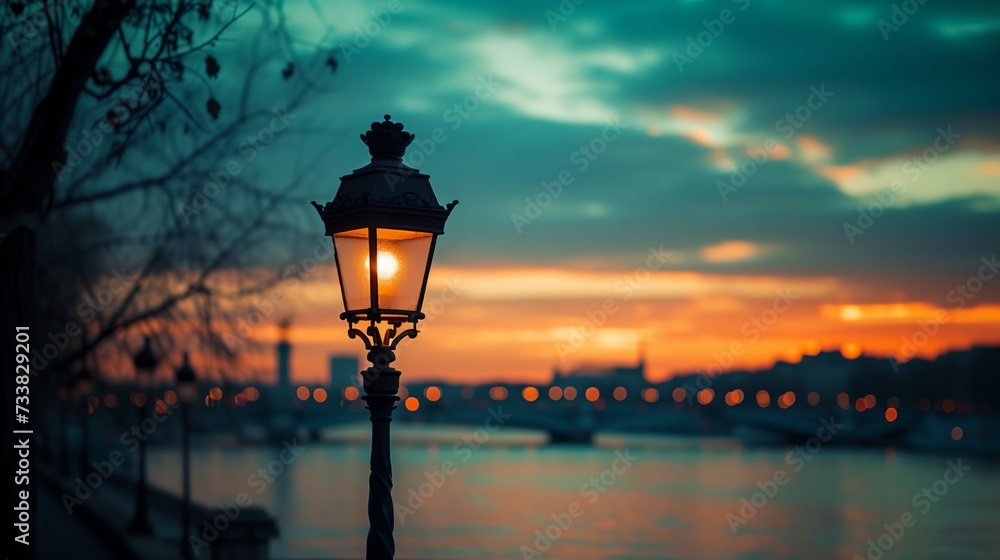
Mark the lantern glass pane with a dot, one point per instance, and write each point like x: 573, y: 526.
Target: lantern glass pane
x: 402, y: 262
x: 400, y: 265
x: 352, y: 254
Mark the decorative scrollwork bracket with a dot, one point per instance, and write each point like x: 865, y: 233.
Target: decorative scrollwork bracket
x: 381, y: 378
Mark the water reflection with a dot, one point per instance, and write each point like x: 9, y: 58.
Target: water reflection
x: 668, y: 503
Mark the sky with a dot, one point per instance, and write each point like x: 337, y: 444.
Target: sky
x: 723, y: 183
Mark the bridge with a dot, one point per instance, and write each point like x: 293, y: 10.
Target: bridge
x: 578, y: 422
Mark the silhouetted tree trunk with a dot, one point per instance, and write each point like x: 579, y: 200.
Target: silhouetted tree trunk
x: 26, y: 186
x: 71, y: 63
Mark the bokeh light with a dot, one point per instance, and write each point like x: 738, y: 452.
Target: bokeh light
x: 432, y: 393
x: 411, y: 404
x: 530, y: 394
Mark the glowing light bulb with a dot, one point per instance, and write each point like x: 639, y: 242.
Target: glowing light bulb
x: 388, y: 265
x: 389, y: 269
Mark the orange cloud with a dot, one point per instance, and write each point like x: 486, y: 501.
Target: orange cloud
x: 910, y: 313
x: 729, y: 251
x: 687, y: 113
x: 778, y: 151
x: 990, y: 168
x: 841, y: 173
x: 813, y: 150
x: 700, y: 136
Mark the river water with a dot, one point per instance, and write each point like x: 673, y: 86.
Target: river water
x: 700, y: 500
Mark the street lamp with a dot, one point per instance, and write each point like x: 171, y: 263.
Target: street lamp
x: 145, y: 362
x: 187, y: 394
x: 81, y: 392
x: 62, y: 393
x: 386, y: 210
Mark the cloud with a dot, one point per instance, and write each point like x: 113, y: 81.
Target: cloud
x: 657, y: 183
x: 730, y: 251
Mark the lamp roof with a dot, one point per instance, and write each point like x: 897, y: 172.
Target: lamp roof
x: 185, y: 373
x: 145, y: 360
x: 386, y: 193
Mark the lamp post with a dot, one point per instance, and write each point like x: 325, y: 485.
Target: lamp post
x: 145, y: 362
x: 62, y: 393
x: 187, y: 394
x: 81, y: 392
x: 384, y: 221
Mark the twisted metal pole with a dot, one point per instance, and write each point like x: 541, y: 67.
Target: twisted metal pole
x: 186, y: 484
x: 63, y: 456
x: 85, y: 438
x: 140, y: 524
x: 381, y: 545
x: 381, y: 384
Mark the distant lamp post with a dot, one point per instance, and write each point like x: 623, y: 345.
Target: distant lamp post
x: 145, y: 362
x: 386, y: 210
x: 82, y: 387
x: 187, y: 394
x: 62, y: 393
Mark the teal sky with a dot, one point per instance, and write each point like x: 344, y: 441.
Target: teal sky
x: 848, y: 151
x: 699, y: 89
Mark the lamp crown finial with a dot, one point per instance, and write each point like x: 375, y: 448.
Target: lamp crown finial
x: 145, y: 359
x: 387, y: 139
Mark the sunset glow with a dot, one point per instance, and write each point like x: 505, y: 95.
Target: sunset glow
x: 474, y: 312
